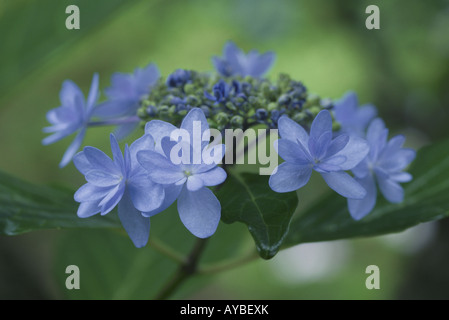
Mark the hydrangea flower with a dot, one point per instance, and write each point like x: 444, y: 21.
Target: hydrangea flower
x: 354, y: 119
x: 187, y: 181
x: 178, y: 78
x: 124, y: 96
x: 72, y: 116
x: 236, y: 62
x: 120, y: 182
x: 304, y: 153
x: 383, y: 166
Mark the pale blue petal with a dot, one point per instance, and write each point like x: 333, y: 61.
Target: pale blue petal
x: 146, y: 142
x: 213, y: 177
x: 99, y: 160
x: 391, y: 190
x: 360, y: 208
x: 195, y: 123
x: 290, y: 130
x: 159, y: 168
x: 89, y: 192
x: 117, y: 153
x: 172, y: 192
x: 145, y: 194
x: 344, y: 184
x: 401, y: 177
x: 102, y: 178
x: 199, y: 211
x: 355, y: 151
x: 81, y: 163
x: 194, y: 183
x: 292, y: 152
x: 88, y: 209
x: 289, y: 177
x: 158, y: 130
x: 73, y: 148
x: 93, y: 94
x: 112, y: 198
x: 124, y: 130
x: 337, y: 145
x: 145, y: 78
x: 322, y: 124
x: 136, y: 225
x: 376, y: 136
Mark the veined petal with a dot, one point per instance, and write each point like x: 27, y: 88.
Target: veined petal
x: 194, y: 183
x: 117, y: 155
x: 292, y: 152
x: 89, y: 192
x: 200, y: 211
x: 344, y: 184
x: 360, y: 208
x: 289, y: 177
x: 290, y: 130
x: 322, y: 124
x: 195, y: 123
x: 159, y: 168
x: 99, y: 160
x: 376, y: 136
x: 124, y: 130
x: 158, y: 130
x: 112, y: 198
x: 171, y: 192
x: 102, y: 178
x: 81, y: 163
x: 88, y: 209
x: 391, y: 190
x: 136, y: 225
x: 213, y: 177
x: 355, y: 151
x: 145, y: 194
x: 146, y: 142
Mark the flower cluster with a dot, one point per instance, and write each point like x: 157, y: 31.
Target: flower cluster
x: 341, y: 141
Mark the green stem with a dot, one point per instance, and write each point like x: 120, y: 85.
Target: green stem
x: 164, y: 249
x: 226, y: 265
x: 188, y: 268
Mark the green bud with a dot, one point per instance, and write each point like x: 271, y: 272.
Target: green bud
x: 272, y: 106
x: 189, y: 88
x: 299, y: 117
x: 221, y: 118
x: 237, y: 121
x: 314, y: 110
x: 231, y: 106
x: 336, y: 126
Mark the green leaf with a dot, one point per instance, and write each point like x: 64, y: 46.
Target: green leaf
x: 26, y: 207
x: 248, y: 198
x: 426, y: 199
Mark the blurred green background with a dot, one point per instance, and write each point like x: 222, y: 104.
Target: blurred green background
x: 402, y: 68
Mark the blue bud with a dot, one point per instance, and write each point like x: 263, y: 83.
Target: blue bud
x: 178, y: 78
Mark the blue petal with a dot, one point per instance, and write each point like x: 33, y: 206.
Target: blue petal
x: 171, y: 192
x: 146, y: 142
x: 136, y: 225
x: 116, y: 108
x: 117, y: 155
x: 112, y: 198
x: 289, y: 177
x: 292, y: 152
x: 88, y: 209
x: 90, y: 192
x: 145, y: 194
x: 199, y: 211
x: 337, y: 145
x: 355, y: 151
x: 93, y: 94
x: 160, y: 169
x: 391, y: 190
x: 290, y: 130
x: 195, y: 123
x: 73, y: 148
x: 376, y: 136
x: 360, y: 208
x: 99, y: 160
x: 213, y: 177
x: 194, y: 183
x: 124, y: 130
x: 322, y: 124
x: 344, y: 184
x: 81, y: 163
x: 102, y: 178
x: 145, y: 78
x: 71, y: 96
x: 159, y: 130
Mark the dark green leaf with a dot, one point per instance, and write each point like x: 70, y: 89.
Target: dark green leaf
x: 248, y: 198
x: 25, y: 207
x: 426, y: 199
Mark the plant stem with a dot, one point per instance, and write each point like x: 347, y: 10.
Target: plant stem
x: 113, y: 122
x: 188, y: 268
x: 226, y: 265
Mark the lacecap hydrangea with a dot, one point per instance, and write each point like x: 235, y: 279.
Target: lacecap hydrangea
x: 346, y: 144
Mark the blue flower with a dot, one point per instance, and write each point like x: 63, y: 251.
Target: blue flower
x: 72, y: 116
x: 120, y: 182
x: 220, y: 90
x: 124, y: 96
x: 178, y: 78
x: 236, y: 62
x: 353, y: 119
x: 383, y: 166
x: 330, y: 157
x: 187, y: 181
